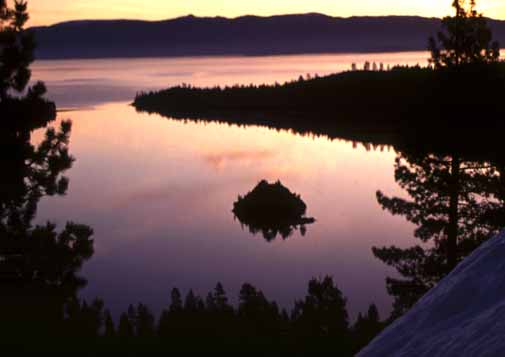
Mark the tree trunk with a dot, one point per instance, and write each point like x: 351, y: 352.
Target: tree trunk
x: 452, y: 231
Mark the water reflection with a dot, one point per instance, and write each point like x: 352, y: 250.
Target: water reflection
x: 90, y: 82
x: 168, y: 201
x: 272, y: 209
x: 456, y: 202
x: 221, y: 160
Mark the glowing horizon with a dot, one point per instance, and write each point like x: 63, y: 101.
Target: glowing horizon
x: 47, y: 12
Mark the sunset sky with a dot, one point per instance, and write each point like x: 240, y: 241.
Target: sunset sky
x: 45, y: 12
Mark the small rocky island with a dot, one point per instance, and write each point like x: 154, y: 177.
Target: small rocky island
x: 272, y: 209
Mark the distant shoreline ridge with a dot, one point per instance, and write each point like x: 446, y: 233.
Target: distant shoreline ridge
x: 191, y: 16
x: 191, y: 36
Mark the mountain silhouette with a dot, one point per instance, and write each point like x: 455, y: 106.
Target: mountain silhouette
x: 246, y: 35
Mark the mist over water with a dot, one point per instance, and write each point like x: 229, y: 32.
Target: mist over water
x: 78, y: 83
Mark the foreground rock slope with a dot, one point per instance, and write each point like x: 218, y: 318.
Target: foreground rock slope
x: 462, y: 316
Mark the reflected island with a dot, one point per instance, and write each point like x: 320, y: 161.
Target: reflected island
x: 272, y: 209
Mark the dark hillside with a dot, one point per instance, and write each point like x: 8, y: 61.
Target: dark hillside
x: 248, y: 35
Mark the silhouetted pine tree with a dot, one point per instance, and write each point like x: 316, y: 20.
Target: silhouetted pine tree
x: 16, y: 48
x: 16, y: 54
x: 171, y: 321
x: 218, y: 301
x: 367, y: 327
x: 256, y: 314
x: 456, y: 204
x: 191, y: 303
x: 145, y: 322
x: 109, y: 327
x: 83, y: 319
x: 465, y: 39
x: 323, y: 312
x: 176, y: 304
x: 125, y: 328
x: 220, y: 314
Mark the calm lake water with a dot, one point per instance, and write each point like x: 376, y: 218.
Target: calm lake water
x: 159, y: 193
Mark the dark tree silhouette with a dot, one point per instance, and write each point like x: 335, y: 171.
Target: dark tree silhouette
x: 31, y: 173
x: 145, y: 322
x: 109, y: 326
x: 367, y: 326
x: 83, y: 320
x: 220, y: 314
x: 176, y: 305
x: 257, y: 316
x: 218, y: 301
x: 465, y: 39
x: 39, y: 266
x: 171, y: 320
x: 16, y: 48
x: 16, y: 54
x: 455, y: 203
x: 164, y: 324
x: 193, y: 303
x: 37, y: 261
x: 125, y: 328
x: 323, y: 312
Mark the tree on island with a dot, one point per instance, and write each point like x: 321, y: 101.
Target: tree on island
x: 272, y: 209
x: 465, y: 39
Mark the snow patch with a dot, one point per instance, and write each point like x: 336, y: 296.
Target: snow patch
x: 464, y: 315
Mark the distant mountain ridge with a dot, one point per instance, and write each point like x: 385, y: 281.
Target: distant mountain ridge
x: 246, y: 35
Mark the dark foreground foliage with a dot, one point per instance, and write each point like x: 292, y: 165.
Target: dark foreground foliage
x: 21, y: 109
x: 319, y: 322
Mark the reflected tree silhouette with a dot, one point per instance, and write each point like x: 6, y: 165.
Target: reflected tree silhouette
x: 456, y: 204
x: 272, y: 210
